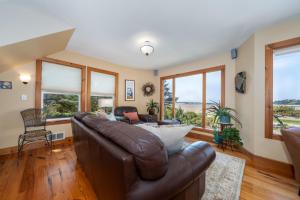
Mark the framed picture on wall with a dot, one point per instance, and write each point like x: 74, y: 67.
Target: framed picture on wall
x: 129, y: 90
x: 6, y: 85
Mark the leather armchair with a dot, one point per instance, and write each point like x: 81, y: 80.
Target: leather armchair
x: 291, y: 137
x: 118, y: 112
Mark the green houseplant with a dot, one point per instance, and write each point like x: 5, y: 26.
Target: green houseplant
x: 232, y: 135
x: 152, y: 107
x: 281, y: 125
x: 222, y: 114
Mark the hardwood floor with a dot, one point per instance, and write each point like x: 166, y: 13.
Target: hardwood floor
x: 42, y: 175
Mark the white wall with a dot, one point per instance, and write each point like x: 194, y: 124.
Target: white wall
x: 244, y: 102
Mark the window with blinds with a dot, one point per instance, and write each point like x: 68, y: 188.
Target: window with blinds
x: 61, y: 90
x: 102, y: 91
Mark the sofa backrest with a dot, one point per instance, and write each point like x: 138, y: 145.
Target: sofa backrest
x: 121, y: 109
x: 110, y: 169
x: 148, y: 150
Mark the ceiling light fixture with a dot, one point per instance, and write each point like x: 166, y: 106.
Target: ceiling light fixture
x: 147, y: 49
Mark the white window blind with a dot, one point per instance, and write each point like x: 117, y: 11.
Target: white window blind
x: 102, y: 84
x: 60, y: 78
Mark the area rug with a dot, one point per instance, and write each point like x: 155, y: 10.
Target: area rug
x: 224, y: 178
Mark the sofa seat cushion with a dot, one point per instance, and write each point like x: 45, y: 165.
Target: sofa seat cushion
x: 184, y: 169
x: 149, y: 152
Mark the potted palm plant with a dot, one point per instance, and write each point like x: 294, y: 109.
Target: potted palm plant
x: 223, y: 114
x: 152, y: 107
x: 280, y: 124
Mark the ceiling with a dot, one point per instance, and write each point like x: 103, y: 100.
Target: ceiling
x: 180, y: 31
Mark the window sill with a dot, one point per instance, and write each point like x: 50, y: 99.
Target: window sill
x: 58, y: 121
x: 203, y: 130
x: 275, y: 137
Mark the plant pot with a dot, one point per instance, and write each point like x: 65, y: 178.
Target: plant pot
x: 218, y: 139
x: 225, y: 119
x: 151, y: 112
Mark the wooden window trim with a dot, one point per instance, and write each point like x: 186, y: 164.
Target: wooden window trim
x: 269, y: 49
x: 89, y: 72
x: 38, y: 85
x: 220, y: 68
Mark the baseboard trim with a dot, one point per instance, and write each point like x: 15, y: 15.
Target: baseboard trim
x: 35, y: 145
x: 269, y: 165
x: 258, y: 162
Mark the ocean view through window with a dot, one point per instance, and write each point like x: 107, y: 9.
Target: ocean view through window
x: 186, y: 96
x: 282, y: 94
x: 286, y: 94
x: 188, y: 99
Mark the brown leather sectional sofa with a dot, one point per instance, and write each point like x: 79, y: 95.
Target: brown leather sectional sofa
x: 291, y: 137
x: 126, y: 162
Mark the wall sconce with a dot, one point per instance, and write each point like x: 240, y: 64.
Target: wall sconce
x: 25, y: 78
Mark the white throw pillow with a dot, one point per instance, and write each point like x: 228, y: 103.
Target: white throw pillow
x: 101, y: 114
x: 171, y: 135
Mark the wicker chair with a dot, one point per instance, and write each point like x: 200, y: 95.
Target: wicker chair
x: 35, y: 129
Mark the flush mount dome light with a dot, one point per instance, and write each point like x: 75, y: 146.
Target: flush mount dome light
x: 147, y: 49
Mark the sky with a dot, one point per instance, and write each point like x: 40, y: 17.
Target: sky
x: 286, y: 76
x: 189, y: 88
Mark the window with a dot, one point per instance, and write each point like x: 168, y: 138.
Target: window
x: 188, y: 99
x: 60, y: 105
x: 213, y: 93
x: 186, y: 96
x: 282, y: 81
x: 102, y: 90
x: 59, y: 88
x: 167, y: 99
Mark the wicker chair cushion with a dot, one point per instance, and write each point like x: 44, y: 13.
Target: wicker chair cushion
x: 36, y: 133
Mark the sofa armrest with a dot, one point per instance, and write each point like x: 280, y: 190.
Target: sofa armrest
x: 191, y: 164
x: 124, y: 119
x: 147, y: 118
x: 200, y: 155
x: 144, y: 117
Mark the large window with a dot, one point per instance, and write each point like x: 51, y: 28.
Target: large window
x: 102, y: 86
x: 60, y: 89
x: 186, y: 96
x: 282, y: 81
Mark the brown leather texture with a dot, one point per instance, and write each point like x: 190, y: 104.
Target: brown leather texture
x: 119, y: 111
x: 149, y: 152
x: 116, y: 158
x: 291, y: 137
